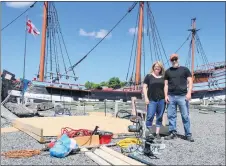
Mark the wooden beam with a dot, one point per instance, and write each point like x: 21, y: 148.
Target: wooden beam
x: 36, y: 133
x: 97, y: 146
x: 94, y: 157
x: 133, y: 100
x: 109, y: 158
x: 121, y: 156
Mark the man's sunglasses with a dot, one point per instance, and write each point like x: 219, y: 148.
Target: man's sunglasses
x: 174, y: 59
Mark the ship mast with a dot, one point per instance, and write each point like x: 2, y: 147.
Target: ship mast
x: 193, y: 30
x: 139, y: 46
x: 43, y: 42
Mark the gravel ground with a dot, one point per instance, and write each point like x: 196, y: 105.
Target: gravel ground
x: 5, y: 123
x: 208, y: 149
x: 23, y: 141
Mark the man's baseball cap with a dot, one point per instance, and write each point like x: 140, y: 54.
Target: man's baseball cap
x: 173, y: 56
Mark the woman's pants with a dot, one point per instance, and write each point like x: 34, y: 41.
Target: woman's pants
x: 158, y: 108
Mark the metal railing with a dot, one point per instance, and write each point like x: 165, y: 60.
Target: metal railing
x: 105, y: 107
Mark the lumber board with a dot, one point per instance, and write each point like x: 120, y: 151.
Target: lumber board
x: 36, y: 133
x: 94, y: 157
x: 109, y: 158
x: 40, y: 139
x: 88, y: 140
x: 9, y: 129
x: 20, y: 125
x: 52, y: 125
x: 120, y: 156
x: 98, y: 146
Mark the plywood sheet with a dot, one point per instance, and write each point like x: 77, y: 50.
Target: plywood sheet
x: 52, y: 125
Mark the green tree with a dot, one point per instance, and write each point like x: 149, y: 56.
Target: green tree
x: 96, y: 86
x: 103, y: 83
x: 114, y: 82
x: 89, y: 85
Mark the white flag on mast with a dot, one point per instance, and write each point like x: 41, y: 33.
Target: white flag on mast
x: 32, y: 29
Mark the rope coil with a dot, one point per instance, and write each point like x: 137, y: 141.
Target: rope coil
x: 21, y: 153
x: 71, y: 133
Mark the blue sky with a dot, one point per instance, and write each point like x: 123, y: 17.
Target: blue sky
x: 111, y: 57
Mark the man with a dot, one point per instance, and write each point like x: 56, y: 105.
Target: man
x: 176, y: 93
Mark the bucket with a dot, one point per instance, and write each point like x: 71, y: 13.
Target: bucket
x: 105, y: 137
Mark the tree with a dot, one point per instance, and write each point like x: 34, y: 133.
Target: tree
x: 114, y: 82
x: 103, y: 83
x: 96, y: 86
x: 89, y: 85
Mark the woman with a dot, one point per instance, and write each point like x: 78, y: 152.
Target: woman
x: 153, y: 89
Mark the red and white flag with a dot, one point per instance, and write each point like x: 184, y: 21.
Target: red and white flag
x: 32, y: 29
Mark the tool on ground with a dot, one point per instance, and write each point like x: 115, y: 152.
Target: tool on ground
x: 21, y: 153
x: 127, y: 142
x: 105, y: 137
x: 144, y: 134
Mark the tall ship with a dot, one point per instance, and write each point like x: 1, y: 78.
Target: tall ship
x: 56, y: 79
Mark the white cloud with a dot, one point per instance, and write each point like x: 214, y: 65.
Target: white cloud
x: 135, y: 30
x: 99, y: 34
x: 19, y: 4
x: 102, y: 33
x: 82, y: 32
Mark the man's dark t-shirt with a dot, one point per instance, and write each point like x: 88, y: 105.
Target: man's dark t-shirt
x: 177, y: 80
x: 155, y: 87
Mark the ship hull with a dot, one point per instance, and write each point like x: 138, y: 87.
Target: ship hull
x: 45, y: 93
x: 68, y: 95
x: 209, y: 94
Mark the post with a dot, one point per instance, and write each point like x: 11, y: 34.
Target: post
x: 84, y: 107
x: 105, y: 107
x: 25, y: 51
x: 116, y: 108
x: 133, y: 100
x: 139, y: 46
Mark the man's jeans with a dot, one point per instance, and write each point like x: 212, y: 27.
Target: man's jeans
x: 153, y: 108
x: 172, y: 113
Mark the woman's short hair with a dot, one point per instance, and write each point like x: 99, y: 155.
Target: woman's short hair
x: 162, y: 72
